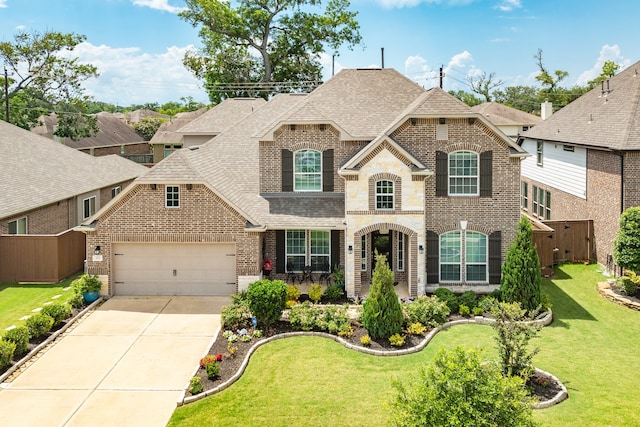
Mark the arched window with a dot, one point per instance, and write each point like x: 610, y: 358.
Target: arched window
x: 384, y: 195
x: 463, y: 173
x: 307, y: 170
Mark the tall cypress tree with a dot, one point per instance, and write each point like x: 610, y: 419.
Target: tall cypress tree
x: 626, y: 247
x: 382, y: 313
x: 521, y: 278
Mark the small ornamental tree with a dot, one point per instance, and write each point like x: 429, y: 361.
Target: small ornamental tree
x: 626, y: 246
x: 521, y: 278
x: 460, y: 390
x: 267, y: 299
x: 382, y: 313
x: 514, y: 330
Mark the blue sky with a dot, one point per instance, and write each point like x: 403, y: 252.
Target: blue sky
x: 138, y: 45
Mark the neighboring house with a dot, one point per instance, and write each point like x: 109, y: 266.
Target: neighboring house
x: 368, y: 162
x: 136, y: 116
x: 47, y: 189
x: 586, y: 162
x: 509, y: 120
x: 218, y: 119
x: 114, y: 137
x: 166, y: 140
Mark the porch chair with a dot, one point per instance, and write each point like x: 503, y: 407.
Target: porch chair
x: 326, y: 273
x: 290, y: 274
x: 306, y: 274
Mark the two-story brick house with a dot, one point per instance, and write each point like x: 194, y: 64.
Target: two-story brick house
x: 587, y: 160
x: 368, y: 161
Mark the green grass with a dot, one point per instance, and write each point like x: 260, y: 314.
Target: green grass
x: 311, y: 381
x: 17, y: 301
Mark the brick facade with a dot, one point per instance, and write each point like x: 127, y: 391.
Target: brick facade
x: 137, y: 148
x: 141, y: 216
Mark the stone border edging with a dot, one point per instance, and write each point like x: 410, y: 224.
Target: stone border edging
x: 48, y: 341
x: 604, y: 289
x: 559, y: 397
x: 544, y: 321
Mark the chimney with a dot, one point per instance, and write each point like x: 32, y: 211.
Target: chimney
x: 546, y: 110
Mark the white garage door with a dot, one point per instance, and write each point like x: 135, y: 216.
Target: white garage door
x: 174, y: 269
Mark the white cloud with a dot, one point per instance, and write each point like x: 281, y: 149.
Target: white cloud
x: 509, y: 5
x: 329, y: 64
x: 417, y: 68
x: 455, y: 72
x: 607, y: 53
x: 157, y: 4
x: 21, y: 27
x: 129, y: 76
x: 3, y: 3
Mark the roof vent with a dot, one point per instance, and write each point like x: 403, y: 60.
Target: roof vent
x: 197, y: 147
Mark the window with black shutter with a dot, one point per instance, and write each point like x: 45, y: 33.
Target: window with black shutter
x: 442, y: 174
x: 486, y: 174
x: 327, y: 171
x: 495, y: 257
x: 287, y: 170
x: 433, y: 259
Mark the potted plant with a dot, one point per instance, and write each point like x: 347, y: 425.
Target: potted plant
x: 337, y: 276
x: 267, y: 266
x: 88, y: 286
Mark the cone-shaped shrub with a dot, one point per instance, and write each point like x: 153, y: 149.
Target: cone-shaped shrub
x: 626, y: 247
x: 521, y: 279
x: 382, y: 312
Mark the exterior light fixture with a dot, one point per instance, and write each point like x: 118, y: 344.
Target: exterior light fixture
x: 463, y: 225
x: 350, y: 249
x: 97, y: 250
x: 421, y: 249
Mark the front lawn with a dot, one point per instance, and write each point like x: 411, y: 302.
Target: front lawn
x: 311, y: 381
x: 17, y: 301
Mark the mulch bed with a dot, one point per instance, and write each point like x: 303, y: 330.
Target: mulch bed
x: 539, y: 385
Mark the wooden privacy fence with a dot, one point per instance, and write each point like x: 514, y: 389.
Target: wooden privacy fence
x: 41, y: 258
x: 561, y: 241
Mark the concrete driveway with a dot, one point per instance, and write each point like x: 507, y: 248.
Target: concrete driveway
x: 126, y: 364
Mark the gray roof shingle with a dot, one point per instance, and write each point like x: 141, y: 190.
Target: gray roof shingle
x: 609, y: 119
x: 36, y: 171
x: 222, y: 116
x: 503, y: 115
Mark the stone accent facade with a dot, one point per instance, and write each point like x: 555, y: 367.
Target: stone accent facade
x: 141, y: 216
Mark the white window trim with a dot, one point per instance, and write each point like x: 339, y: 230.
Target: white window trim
x: 88, y: 199
x: 477, y: 176
x: 166, y: 198
x: 306, y: 173
x: 400, y: 252
x: 524, y: 195
x: 463, y: 260
x: 17, y: 220
x: 307, y: 249
x: 486, y: 261
x: 392, y: 195
x: 363, y: 253
x: 540, y: 153
x: 115, y: 191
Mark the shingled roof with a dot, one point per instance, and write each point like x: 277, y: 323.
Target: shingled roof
x: 607, y: 117
x: 168, y: 131
x: 503, y: 115
x: 112, y: 132
x: 222, y: 116
x: 38, y: 171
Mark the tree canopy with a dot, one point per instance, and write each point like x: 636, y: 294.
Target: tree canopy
x: 260, y: 47
x: 45, y: 77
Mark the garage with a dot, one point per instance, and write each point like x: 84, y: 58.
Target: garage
x: 174, y: 269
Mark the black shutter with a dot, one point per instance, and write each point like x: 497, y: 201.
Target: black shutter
x: 281, y: 259
x: 495, y: 257
x: 442, y: 174
x: 335, y: 248
x: 287, y: 170
x: 433, y: 257
x: 327, y: 171
x: 486, y: 173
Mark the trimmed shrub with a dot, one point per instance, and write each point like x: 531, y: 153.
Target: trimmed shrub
x: 20, y: 337
x: 293, y: 293
x: 76, y: 301
x: 333, y: 293
x: 430, y: 311
x: 464, y: 311
x: 365, y: 340
x: 477, y: 311
x: 303, y: 316
x: 521, y: 278
x: 207, y: 360
x: 449, y: 298
x: 58, y: 312
x: 267, y: 299
x: 382, y: 313
x: 626, y: 246
x: 315, y: 293
x: 237, y: 315
x: 195, y: 385
x: 487, y: 303
x: 308, y: 317
x: 397, y: 340
x: 630, y: 282
x: 416, y: 328
x: 468, y: 298
x: 459, y: 389
x: 39, y: 325
x: 213, y: 370
x: 7, y: 349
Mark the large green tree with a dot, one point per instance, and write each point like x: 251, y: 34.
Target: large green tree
x: 521, y: 278
x: 44, y: 77
x: 259, y: 47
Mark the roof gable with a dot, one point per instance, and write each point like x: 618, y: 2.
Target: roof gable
x: 222, y: 116
x: 503, y: 115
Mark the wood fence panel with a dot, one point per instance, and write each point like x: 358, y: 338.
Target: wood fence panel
x: 41, y: 258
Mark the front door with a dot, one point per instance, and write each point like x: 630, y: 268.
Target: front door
x: 383, y: 245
